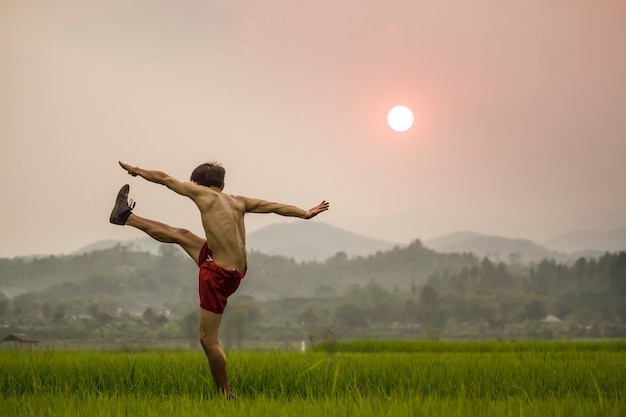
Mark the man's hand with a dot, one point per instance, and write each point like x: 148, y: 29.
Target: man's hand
x: 131, y: 170
x: 321, y: 207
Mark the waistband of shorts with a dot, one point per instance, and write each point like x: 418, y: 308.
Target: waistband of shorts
x: 231, y: 273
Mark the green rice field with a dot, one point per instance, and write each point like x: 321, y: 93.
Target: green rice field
x: 365, y: 378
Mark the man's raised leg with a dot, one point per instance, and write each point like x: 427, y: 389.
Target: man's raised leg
x: 191, y: 243
x: 209, y: 329
x: 122, y: 215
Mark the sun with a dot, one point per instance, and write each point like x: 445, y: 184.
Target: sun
x: 400, y: 118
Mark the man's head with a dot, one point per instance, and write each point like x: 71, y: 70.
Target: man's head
x: 210, y: 174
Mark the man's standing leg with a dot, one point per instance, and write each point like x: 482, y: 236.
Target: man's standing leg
x: 209, y: 329
x: 209, y: 321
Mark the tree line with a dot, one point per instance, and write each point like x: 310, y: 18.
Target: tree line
x: 409, y: 291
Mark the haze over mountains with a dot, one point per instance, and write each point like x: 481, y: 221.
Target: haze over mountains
x: 407, y: 225
x: 582, y: 240
x: 312, y: 241
x: 307, y: 241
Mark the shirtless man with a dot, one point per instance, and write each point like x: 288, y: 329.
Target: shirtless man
x: 220, y: 255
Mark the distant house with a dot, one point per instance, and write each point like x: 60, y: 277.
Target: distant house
x: 551, y: 319
x: 81, y: 317
x: 20, y: 338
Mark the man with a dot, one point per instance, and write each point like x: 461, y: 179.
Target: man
x: 221, y: 255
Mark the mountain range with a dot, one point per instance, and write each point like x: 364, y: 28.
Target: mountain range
x: 582, y: 240
x: 308, y: 241
x: 503, y: 249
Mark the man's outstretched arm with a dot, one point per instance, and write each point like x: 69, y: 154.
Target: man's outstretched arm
x: 254, y: 205
x: 160, y: 177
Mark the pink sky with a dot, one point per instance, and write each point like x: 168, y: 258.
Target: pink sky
x: 520, y: 113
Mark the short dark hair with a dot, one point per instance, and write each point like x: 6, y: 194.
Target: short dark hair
x: 210, y: 174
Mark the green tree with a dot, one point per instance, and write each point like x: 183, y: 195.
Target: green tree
x: 234, y: 327
x: 4, y: 305
x: 60, y: 312
x: 350, y: 315
x: 534, y: 310
x: 149, y: 316
x: 427, y: 307
x: 617, y: 274
x: 189, y: 325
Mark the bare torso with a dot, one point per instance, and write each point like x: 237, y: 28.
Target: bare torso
x: 223, y: 215
x: 223, y: 222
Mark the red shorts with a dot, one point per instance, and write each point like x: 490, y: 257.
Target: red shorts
x: 216, y: 284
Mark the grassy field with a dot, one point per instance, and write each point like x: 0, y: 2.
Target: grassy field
x: 356, y: 379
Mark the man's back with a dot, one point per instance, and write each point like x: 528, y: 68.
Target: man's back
x: 223, y: 222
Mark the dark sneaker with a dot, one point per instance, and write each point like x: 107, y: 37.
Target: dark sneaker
x: 123, y: 207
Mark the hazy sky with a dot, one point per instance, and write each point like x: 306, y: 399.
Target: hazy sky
x: 520, y: 113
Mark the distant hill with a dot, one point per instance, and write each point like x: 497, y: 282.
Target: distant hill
x: 307, y: 241
x: 495, y: 248
x: 302, y: 241
x: 450, y: 239
x: 585, y: 240
x: 145, y: 244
